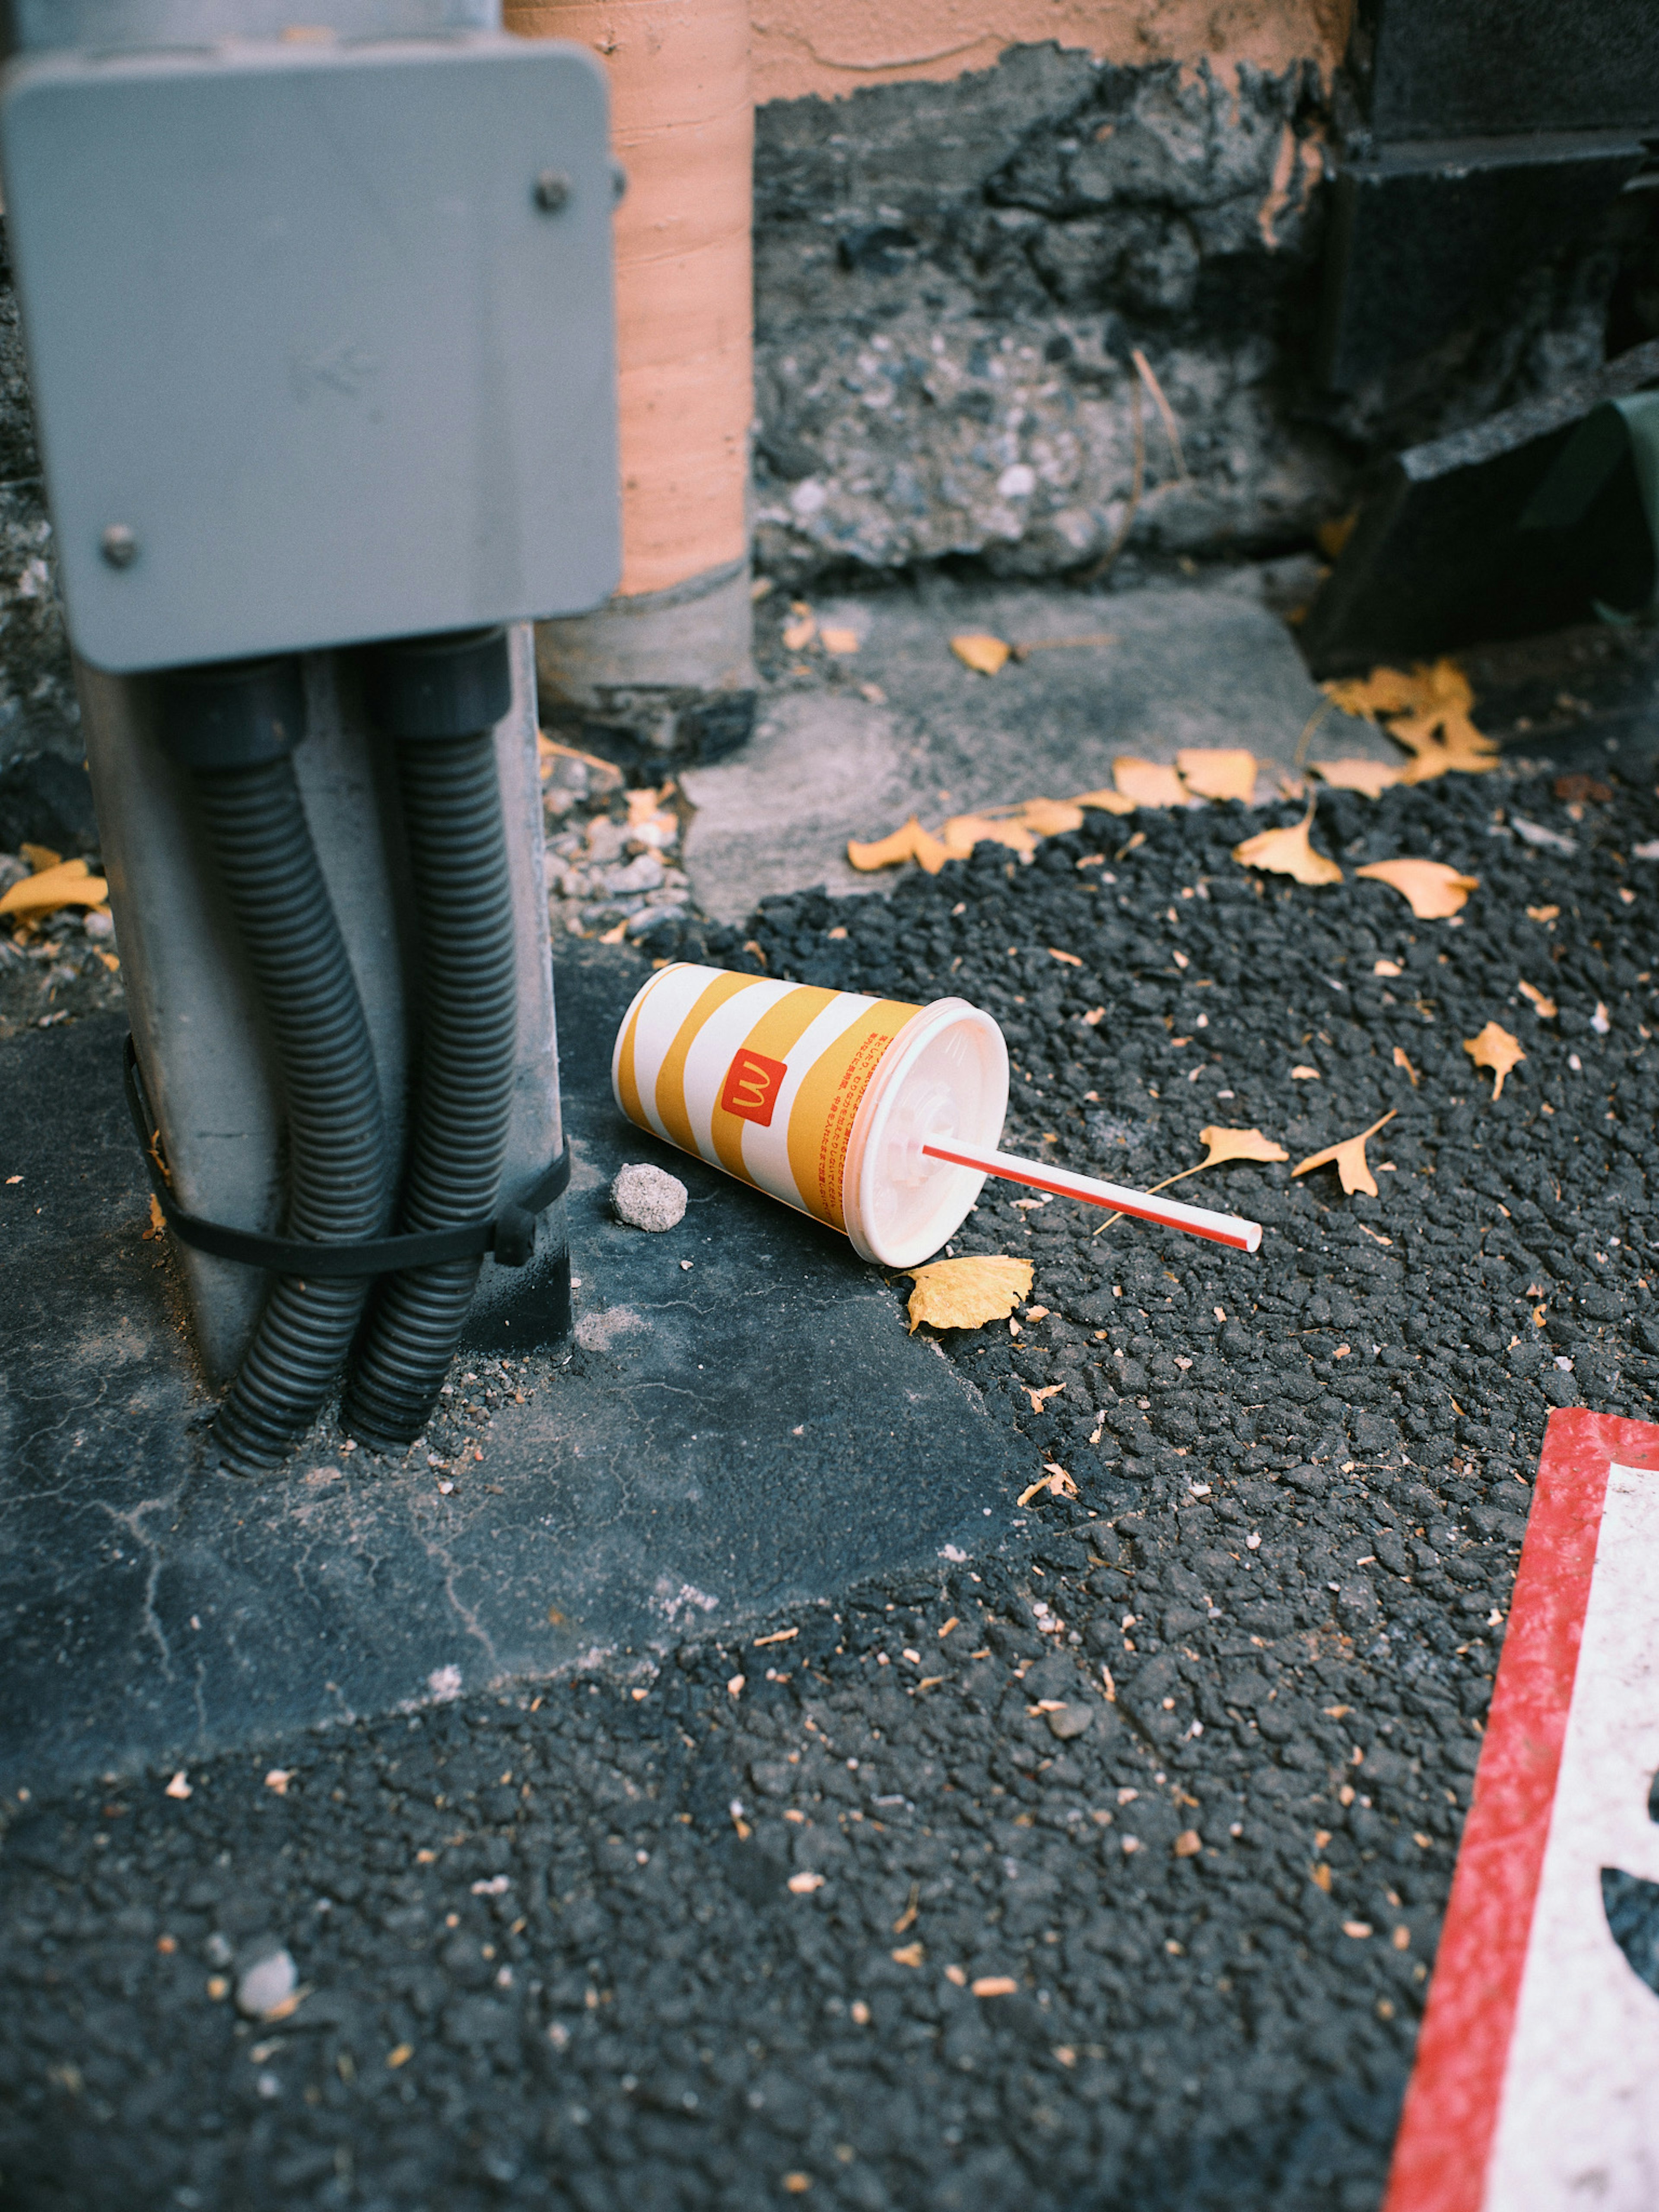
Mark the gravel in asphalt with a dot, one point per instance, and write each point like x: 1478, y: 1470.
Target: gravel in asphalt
x: 1104, y: 1871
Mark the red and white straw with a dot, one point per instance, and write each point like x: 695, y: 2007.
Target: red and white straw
x: 1227, y: 1229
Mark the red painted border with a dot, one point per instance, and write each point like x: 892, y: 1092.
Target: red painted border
x: 1451, y: 2106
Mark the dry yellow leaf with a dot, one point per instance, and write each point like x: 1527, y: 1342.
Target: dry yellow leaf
x: 1051, y: 818
x: 838, y: 640
x: 1544, y: 1007
x: 1217, y: 772
x: 887, y: 851
x: 1369, y: 777
x: 994, y: 1985
x: 1542, y: 913
x: 964, y: 831
x: 42, y: 857
x: 1302, y: 1073
x: 1427, y: 709
x: 967, y: 1293
x: 1223, y: 1144
x: 1105, y: 802
x: 1495, y: 1048
x: 1147, y: 783
x: 980, y: 653
x: 71, y: 883
x: 803, y: 629
x: 911, y: 1955
x: 1349, y: 1157
x: 1400, y: 1060
x: 1430, y: 888
x: 1288, y: 853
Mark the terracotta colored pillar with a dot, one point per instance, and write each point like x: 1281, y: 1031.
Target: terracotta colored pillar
x: 666, y: 662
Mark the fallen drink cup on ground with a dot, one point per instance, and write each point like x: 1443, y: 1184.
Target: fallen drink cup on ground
x: 878, y: 1118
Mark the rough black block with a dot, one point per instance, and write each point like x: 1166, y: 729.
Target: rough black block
x: 1438, y: 559
x: 1493, y: 67
x: 1426, y: 240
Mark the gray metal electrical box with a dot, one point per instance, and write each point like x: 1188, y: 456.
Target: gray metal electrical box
x: 321, y: 338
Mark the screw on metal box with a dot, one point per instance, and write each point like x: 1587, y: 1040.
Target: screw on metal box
x: 552, y: 191
x: 119, y: 545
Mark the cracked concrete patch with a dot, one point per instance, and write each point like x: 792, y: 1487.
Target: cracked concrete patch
x: 1198, y: 666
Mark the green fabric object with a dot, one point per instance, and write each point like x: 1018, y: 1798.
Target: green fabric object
x: 1620, y: 434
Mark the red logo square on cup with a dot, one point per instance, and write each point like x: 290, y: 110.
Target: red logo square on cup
x: 752, y: 1085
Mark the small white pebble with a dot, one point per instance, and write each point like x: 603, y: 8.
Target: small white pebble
x: 265, y: 1984
x: 648, y: 1198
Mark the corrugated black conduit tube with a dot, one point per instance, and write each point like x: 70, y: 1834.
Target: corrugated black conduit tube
x: 438, y: 700
x: 234, y: 726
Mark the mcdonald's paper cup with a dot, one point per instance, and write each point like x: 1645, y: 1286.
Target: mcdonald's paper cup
x: 822, y: 1099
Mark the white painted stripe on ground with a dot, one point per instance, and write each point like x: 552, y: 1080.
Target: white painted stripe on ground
x: 1579, y: 2121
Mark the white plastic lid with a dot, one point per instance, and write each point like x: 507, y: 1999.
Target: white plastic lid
x: 945, y: 1076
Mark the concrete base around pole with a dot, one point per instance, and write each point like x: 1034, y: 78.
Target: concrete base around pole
x: 654, y: 678
x: 741, y: 1423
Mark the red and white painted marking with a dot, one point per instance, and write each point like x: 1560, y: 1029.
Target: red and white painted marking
x: 1536, y: 2087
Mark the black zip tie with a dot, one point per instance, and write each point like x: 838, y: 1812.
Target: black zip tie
x: 510, y: 1237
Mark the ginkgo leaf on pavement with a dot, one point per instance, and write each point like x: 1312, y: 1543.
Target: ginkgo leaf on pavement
x: 1430, y: 889
x: 1219, y: 1146
x: 71, y: 883
x: 1289, y: 852
x: 909, y: 843
x: 1370, y: 777
x: 967, y: 1293
x: 1497, y: 1049
x: 1349, y: 1159
x: 1148, y: 783
x: 1217, y: 772
x: 1223, y: 1144
x: 982, y: 654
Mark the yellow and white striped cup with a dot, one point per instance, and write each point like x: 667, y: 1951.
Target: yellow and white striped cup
x: 822, y: 1099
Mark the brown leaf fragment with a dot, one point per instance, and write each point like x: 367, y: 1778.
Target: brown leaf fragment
x: 1430, y: 888
x: 1370, y: 777
x: 799, y: 632
x: 908, y: 1954
x: 1400, y: 1060
x: 1105, y: 802
x: 42, y: 857
x: 1189, y: 1843
x: 1067, y: 959
x: 1544, y: 1007
x: 1542, y: 913
x: 994, y: 1985
x: 1495, y: 1048
x: 967, y: 1293
x: 982, y: 654
x: 1289, y: 852
x: 1038, y: 1397
x: 1349, y: 1158
x: 1217, y: 772
x: 838, y: 640
x: 1147, y: 783
x: 158, y: 1220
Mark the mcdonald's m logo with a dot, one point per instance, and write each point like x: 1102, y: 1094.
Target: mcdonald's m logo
x: 752, y: 1085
